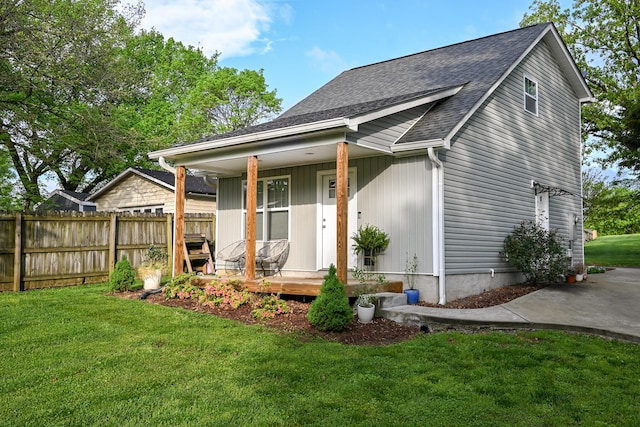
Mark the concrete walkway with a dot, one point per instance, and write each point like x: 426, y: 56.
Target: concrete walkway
x: 606, y: 304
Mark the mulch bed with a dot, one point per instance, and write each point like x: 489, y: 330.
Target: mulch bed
x: 380, y: 332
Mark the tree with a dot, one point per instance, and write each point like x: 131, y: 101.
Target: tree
x: 227, y: 100
x: 611, y: 208
x: 604, y: 38
x: 9, y: 201
x: 83, y: 95
x: 62, y: 81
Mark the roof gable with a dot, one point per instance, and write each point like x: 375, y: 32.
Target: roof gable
x: 456, y: 78
x: 193, y: 184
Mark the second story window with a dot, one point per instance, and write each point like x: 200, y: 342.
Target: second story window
x: 530, y: 95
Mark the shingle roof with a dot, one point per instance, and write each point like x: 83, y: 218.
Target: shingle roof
x: 76, y: 195
x: 193, y: 184
x: 476, y: 64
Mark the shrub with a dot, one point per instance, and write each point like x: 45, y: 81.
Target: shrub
x: 536, y: 252
x: 331, y: 311
x: 269, y: 307
x: 224, y: 292
x: 123, y: 276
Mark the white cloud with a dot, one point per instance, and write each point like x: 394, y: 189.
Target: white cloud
x: 328, y: 61
x: 232, y: 27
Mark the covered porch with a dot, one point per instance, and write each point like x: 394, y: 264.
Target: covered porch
x: 311, y: 286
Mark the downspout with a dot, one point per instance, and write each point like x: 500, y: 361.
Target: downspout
x: 172, y: 170
x: 437, y: 181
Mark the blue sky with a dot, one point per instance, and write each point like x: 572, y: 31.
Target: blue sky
x: 302, y: 44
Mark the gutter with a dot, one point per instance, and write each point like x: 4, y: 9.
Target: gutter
x: 437, y: 190
x: 171, y: 169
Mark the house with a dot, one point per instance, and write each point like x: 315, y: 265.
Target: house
x: 65, y: 200
x: 445, y: 150
x: 146, y: 190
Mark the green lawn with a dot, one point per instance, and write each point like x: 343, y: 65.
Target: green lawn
x: 616, y: 251
x: 75, y: 357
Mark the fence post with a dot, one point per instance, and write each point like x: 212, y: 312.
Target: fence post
x: 113, y: 222
x: 17, y: 254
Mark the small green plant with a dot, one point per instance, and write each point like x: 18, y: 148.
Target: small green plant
x: 156, y: 257
x: 596, y: 270
x: 331, y: 311
x: 269, y: 307
x: 181, y: 287
x: 369, y: 240
x: 536, y: 252
x: 410, y: 268
x: 123, y: 276
x: 366, y: 300
x: 364, y: 276
x: 224, y: 292
x: 579, y: 268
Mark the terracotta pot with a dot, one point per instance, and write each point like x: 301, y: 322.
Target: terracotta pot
x: 571, y: 278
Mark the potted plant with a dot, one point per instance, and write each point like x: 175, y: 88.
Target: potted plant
x: 365, y: 307
x: 155, y: 261
x: 370, y: 241
x: 579, y: 270
x: 570, y: 275
x: 410, y: 268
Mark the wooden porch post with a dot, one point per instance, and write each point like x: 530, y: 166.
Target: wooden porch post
x: 250, y: 233
x: 178, y: 223
x: 342, y: 209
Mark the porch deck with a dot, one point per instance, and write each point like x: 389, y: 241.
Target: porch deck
x: 311, y: 286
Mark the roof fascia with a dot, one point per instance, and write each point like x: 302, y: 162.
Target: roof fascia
x: 322, y: 125
x: 420, y: 145
x: 387, y: 111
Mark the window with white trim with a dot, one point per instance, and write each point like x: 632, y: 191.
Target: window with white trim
x: 530, y: 95
x: 146, y: 209
x: 272, y: 208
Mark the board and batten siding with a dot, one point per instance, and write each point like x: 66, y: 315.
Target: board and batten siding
x: 496, y: 155
x: 394, y: 194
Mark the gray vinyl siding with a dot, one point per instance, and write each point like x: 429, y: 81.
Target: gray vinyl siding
x: 385, y: 131
x: 496, y: 155
x: 394, y: 194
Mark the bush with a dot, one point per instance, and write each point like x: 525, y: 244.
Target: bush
x: 331, y: 311
x: 123, y: 276
x: 536, y: 252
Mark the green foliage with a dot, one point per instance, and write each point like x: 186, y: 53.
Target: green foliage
x: 610, y: 208
x: 410, y: 268
x: 331, y: 311
x: 224, y: 292
x: 227, y: 100
x: 364, y: 276
x: 536, y: 252
x: 84, y: 95
x: 370, y: 238
x: 269, y: 306
x: 156, y: 257
x: 123, y: 276
x: 602, y: 35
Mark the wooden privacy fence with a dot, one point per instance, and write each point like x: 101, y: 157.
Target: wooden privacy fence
x: 50, y: 249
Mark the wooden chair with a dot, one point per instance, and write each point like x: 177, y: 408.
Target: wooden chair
x: 273, y: 254
x: 235, y: 253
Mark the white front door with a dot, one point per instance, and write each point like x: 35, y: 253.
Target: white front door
x: 328, y: 219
